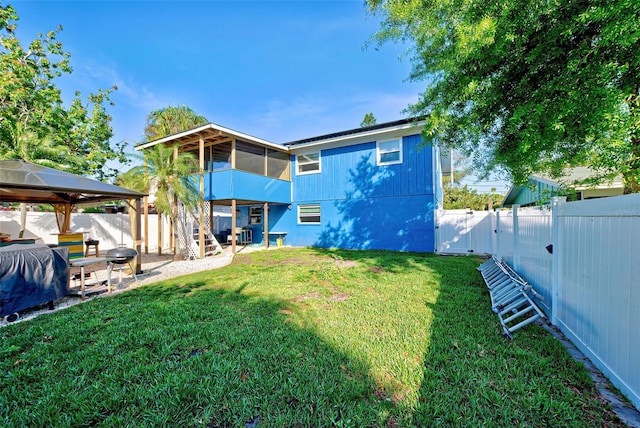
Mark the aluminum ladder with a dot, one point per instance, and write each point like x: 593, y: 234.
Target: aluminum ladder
x: 511, y: 296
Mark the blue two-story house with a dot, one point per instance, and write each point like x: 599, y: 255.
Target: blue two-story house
x: 377, y: 187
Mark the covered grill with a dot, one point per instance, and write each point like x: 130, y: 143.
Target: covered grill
x: 121, y: 255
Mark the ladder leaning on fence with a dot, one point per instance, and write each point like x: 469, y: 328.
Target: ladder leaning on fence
x: 511, y: 296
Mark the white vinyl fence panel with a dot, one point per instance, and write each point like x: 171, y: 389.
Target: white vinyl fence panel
x: 465, y: 232
x: 525, y: 235
x: 589, y: 278
x: 598, y: 285
x: 110, y: 229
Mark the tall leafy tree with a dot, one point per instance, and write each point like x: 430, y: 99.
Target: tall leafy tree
x: 171, y: 120
x: 35, y: 125
x: 527, y: 85
x: 461, y: 197
x: 169, y: 178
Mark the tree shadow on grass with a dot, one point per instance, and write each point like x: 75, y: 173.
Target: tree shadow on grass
x: 179, y: 354
x: 472, y: 376
x: 198, y: 353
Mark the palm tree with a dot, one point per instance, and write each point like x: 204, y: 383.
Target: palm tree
x: 171, y: 120
x: 170, y: 178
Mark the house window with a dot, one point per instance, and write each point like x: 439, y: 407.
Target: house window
x: 309, y: 214
x: 309, y: 163
x: 389, y: 152
x: 255, y: 215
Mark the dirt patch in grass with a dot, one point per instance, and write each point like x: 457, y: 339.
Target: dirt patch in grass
x: 313, y: 295
x: 376, y: 269
x: 339, y: 297
x: 347, y: 263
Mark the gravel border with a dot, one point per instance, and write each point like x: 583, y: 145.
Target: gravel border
x: 155, y: 268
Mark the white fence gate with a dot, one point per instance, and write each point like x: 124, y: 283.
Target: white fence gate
x: 465, y: 232
x: 584, y: 259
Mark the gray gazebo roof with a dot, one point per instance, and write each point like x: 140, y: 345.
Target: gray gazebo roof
x: 22, y: 181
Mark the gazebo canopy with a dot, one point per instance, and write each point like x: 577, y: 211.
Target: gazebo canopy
x: 22, y: 181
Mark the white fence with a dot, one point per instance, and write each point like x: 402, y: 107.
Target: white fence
x: 465, y: 232
x: 584, y: 259
x: 110, y: 229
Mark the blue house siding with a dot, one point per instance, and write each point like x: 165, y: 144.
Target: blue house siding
x: 403, y: 223
x: 234, y: 184
x: 366, y: 206
x: 351, y: 171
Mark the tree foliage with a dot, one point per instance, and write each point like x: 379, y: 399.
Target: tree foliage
x: 456, y: 198
x: 35, y: 125
x: 171, y: 120
x: 169, y: 178
x: 527, y: 85
x: 368, y: 120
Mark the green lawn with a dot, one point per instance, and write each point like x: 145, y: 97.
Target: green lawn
x: 294, y: 338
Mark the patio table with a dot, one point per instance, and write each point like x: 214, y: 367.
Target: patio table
x: 87, y: 261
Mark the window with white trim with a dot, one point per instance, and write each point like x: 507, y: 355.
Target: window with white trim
x: 389, y: 152
x: 309, y: 214
x: 255, y: 215
x: 308, y: 163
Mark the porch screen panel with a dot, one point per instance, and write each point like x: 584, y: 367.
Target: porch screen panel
x: 208, y: 163
x: 278, y: 164
x: 250, y: 158
x: 221, y: 156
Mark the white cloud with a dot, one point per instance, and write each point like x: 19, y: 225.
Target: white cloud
x: 283, y: 120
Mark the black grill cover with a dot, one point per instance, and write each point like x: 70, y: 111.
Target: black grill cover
x: 31, y: 275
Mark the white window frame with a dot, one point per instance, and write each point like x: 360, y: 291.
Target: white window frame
x: 380, y: 152
x: 256, y: 213
x: 308, y: 206
x: 298, y: 163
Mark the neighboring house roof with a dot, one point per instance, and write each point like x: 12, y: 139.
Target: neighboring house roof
x: 540, y: 187
x: 386, y: 130
x: 210, y: 132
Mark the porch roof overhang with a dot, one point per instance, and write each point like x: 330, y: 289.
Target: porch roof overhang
x: 211, y: 133
x: 244, y: 202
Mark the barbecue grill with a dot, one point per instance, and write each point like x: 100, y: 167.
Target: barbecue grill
x: 121, y: 256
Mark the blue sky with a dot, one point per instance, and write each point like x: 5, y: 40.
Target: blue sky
x: 278, y: 70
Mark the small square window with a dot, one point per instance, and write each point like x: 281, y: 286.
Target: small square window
x: 309, y: 214
x: 308, y: 163
x: 255, y: 215
x: 389, y: 152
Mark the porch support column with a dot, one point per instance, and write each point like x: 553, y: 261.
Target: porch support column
x: 201, y: 228
x: 160, y: 241
x: 233, y: 226
x: 146, y: 224
x: 146, y: 214
x: 211, y: 225
x: 265, y: 224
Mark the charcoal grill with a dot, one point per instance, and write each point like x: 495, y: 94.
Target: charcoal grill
x: 121, y: 256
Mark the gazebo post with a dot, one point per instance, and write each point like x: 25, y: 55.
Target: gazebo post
x: 138, y: 237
